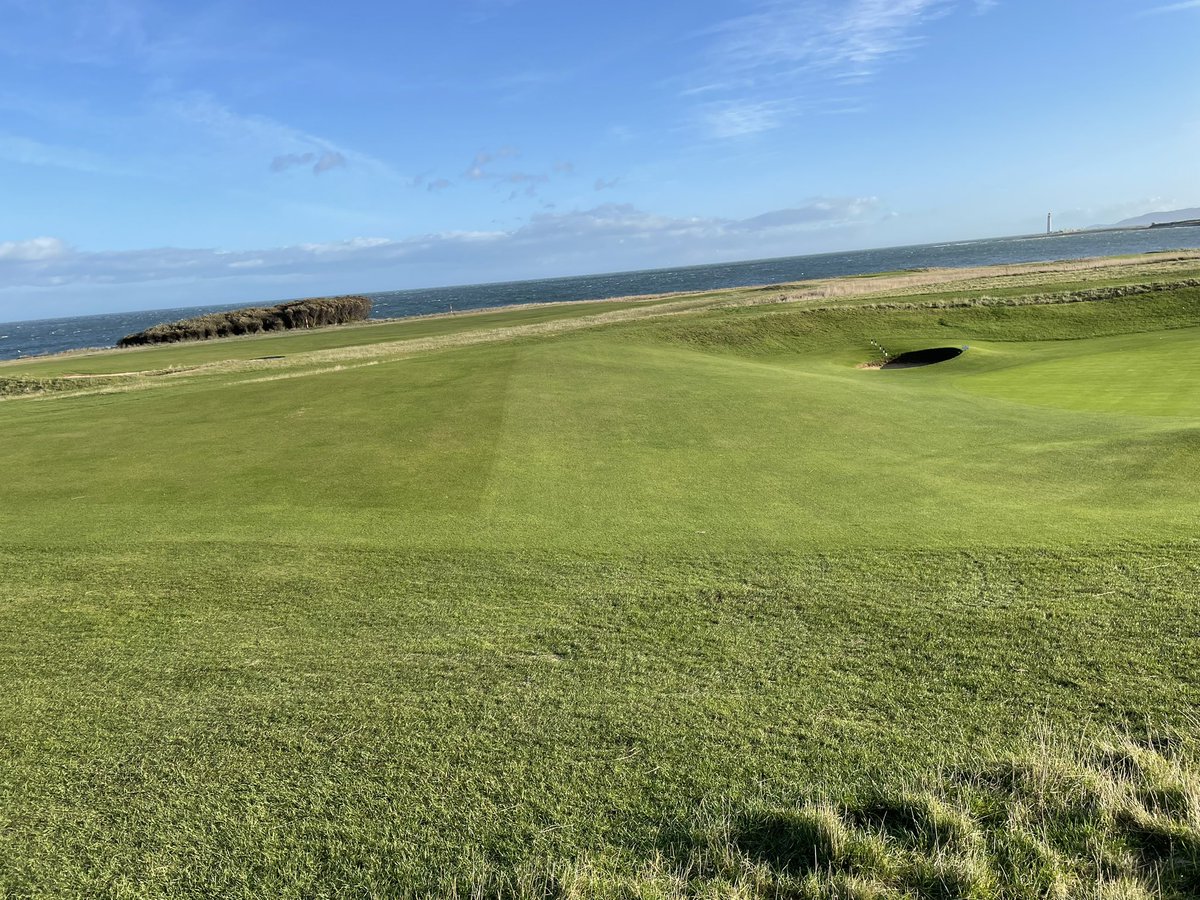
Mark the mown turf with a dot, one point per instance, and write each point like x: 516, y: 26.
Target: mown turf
x: 470, y: 619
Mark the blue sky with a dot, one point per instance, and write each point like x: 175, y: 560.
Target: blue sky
x: 159, y: 153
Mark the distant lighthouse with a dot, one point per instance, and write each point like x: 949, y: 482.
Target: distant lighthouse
x: 1049, y: 222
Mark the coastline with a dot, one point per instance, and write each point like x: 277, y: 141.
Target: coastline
x: 850, y: 288
x: 908, y: 260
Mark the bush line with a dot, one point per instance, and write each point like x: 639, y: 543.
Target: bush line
x: 310, y: 313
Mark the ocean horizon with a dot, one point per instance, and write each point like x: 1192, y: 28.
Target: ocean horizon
x: 40, y: 337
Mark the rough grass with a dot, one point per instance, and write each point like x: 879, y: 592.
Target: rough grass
x: 1117, y: 817
x: 901, y: 325
x: 250, y: 719
x: 24, y: 386
x: 1112, y: 817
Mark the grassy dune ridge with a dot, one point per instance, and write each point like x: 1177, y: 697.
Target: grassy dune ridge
x: 662, y: 598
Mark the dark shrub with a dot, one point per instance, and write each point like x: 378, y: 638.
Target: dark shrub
x: 309, y: 313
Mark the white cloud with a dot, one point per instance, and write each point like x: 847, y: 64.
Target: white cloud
x: 613, y: 232
x: 33, y: 250
x: 336, y: 248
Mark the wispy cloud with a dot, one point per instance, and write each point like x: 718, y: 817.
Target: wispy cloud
x: 162, y: 129
x: 579, y: 235
x: 736, y: 118
x: 88, y: 33
x: 1111, y: 213
x: 30, y: 152
x: 1172, y: 7
x: 265, y: 137
x: 320, y: 162
x: 526, y: 183
x: 847, y: 39
x: 153, y: 37
x: 768, y: 65
x: 171, y: 134
x: 478, y: 170
x: 818, y: 212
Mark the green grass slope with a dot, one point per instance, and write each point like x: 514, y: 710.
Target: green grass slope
x: 513, y: 618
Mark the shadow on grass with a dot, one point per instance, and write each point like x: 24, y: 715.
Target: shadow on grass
x: 915, y: 359
x: 1113, y: 819
x: 1117, y: 819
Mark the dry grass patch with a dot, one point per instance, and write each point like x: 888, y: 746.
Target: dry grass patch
x: 1116, y: 818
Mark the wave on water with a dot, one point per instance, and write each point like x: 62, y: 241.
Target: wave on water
x: 36, y: 338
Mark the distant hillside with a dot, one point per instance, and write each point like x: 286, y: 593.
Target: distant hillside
x: 1176, y: 215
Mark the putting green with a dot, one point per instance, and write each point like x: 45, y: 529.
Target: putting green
x: 1155, y: 374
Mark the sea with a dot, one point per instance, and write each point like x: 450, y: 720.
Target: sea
x: 39, y: 337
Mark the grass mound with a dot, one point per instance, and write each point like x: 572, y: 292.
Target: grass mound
x: 783, y: 329
x: 310, y: 313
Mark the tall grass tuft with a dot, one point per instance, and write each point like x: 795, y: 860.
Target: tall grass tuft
x: 22, y: 386
x: 1113, y: 818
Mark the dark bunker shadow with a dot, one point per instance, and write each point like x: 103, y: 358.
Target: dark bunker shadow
x: 916, y: 358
